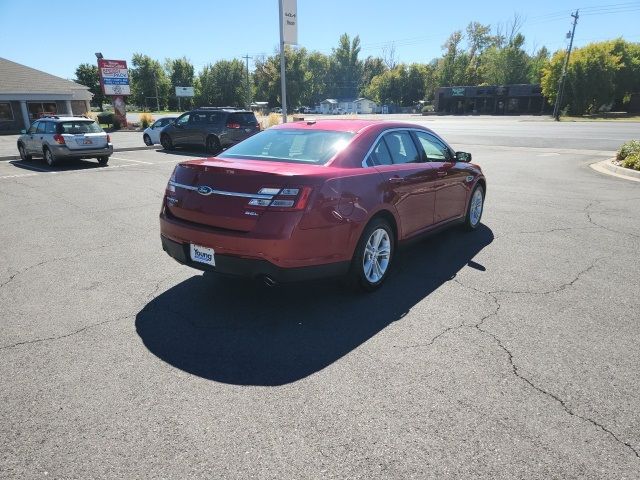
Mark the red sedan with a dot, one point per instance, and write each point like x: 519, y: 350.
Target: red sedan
x: 320, y: 198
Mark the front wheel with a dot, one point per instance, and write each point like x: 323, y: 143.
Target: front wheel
x: 147, y: 140
x: 373, y: 256
x: 23, y: 153
x: 475, y: 208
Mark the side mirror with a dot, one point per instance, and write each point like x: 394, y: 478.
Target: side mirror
x: 23, y: 131
x: 463, y: 157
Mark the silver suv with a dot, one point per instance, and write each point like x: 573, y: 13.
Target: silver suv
x: 56, y: 138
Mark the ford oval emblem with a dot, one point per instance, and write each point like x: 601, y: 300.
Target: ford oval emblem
x: 205, y: 190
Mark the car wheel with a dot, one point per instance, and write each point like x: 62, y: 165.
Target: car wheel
x: 475, y: 208
x: 165, y: 141
x: 23, y: 153
x: 213, y: 145
x: 49, y: 157
x: 147, y: 140
x: 103, y: 160
x: 373, y: 256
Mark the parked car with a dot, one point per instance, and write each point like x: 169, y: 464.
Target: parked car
x: 56, y: 138
x: 276, y: 110
x: 151, y: 134
x: 319, y: 198
x: 214, y: 128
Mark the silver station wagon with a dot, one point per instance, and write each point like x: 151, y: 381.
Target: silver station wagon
x: 57, y: 138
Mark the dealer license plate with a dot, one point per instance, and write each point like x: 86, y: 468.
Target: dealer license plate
x: 203, y: 254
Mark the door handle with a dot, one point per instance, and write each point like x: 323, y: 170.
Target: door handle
x: 396, y: 180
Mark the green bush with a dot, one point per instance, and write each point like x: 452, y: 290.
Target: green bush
x: 116, y: 123
x: 105, y: 118
x: 627, y: 148
x: 632, y: 161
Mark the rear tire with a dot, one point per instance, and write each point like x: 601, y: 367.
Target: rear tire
x: 166, y: 142
x: 103, y: 160
x: 147, y: 140
x: 213, y: 145
x: 474, y: 209
x: 23, y: 153
x: 373, y: 256
x: 49, y: 157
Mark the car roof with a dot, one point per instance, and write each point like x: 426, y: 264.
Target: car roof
x: 345, y: 125
x: 58, y: 118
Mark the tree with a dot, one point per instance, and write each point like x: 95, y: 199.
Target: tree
x: 536, y: 65
x: 147, y: 75
x: 181, y: 74
x: 454, y: 62
x: 372, y: 67
x: 266, y: 78
x: 506, y: 65
x: 222, y: 84
x: 316, y: 78
x: 478, y: 39
x: 598, y: 74
x: 346, y: 69
x: 87, y: 75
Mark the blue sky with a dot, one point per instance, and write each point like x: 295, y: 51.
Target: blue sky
x: 208, y: 30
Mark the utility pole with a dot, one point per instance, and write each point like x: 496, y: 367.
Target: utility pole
x: 283, y: 82
x: 556, y: 109
x: 247, y: 57
x: 155, y: 80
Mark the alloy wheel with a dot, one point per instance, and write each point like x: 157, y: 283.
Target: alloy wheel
x: 377, y: 252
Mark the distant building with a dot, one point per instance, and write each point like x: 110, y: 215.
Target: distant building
x: 26, y: 94
x: 491, y: 100
x: 348, y: 105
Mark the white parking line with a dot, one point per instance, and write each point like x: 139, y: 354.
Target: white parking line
x: 19, y: 175
x: 131, y: 160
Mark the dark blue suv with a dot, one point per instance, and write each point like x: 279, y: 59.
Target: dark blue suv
x: 214, y: 128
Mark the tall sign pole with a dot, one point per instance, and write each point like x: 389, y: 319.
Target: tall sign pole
x: 288, y: 36
x: 556, y: 109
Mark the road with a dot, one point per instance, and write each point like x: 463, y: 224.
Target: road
x: 510, y: 352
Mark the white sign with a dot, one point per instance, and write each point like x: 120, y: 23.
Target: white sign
x: 184, y: 92
x: 289, y: 21
x: 114, y: 77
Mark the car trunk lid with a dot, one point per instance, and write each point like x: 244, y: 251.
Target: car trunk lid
x: 231, y: 195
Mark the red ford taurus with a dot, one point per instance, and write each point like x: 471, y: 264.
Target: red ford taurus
x: 320, y: 198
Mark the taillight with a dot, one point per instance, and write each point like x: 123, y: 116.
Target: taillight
x: 233, y: 125
x: 58, y: 139
x: 108, y: 138
x: 285, y: 199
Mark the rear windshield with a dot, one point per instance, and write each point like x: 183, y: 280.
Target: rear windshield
x: 78, y: 126
x: 243, y: 118
x: 290, y: 145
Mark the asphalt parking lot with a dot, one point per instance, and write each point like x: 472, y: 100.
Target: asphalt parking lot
x: 509, y: 352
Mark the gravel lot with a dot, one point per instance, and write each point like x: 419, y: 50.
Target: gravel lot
x: 510, y: 352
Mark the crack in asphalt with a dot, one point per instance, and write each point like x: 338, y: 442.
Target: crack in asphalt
x: 514, y: 367
x: 49, y: 260
x: 66, y: 335
x: 593, y: 222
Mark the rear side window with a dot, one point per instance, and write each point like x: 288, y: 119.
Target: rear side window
x: 41, y: 127
x: 78, y: 127
x: 50, y: 127
x: 401, y: 147
x: 198, y: 117
x: 216, y: 117
x: 243, y: 119
x: 380, y: 155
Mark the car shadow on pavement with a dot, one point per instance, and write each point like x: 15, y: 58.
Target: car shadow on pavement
x: 37, y: 165
x: 240, y: 332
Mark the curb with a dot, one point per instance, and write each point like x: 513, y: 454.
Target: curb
x: 609, y: 168
x: 124, y: 149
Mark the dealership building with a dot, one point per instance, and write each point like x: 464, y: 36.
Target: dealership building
x: 491, y: 100
x: 27, y: 94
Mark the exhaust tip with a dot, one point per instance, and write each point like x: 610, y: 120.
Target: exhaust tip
x: 268, y: 281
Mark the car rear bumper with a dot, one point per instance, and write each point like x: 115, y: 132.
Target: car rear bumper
x: 63, y: 151
x: 253, y: 267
